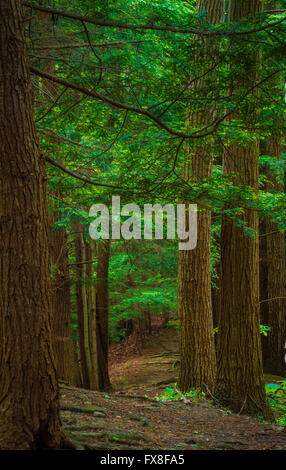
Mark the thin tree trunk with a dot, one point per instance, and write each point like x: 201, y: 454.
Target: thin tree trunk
x: 165, y: 316
x: 85, y: 322
x: 91, y: 315
x: 86, y: 312
x: 263, y: 287
x: 102, y: 301
x: 197, y: 349
x: 240, y: 374
x: 80, y: 305
x: 29, y: 398
x: 61, y: 306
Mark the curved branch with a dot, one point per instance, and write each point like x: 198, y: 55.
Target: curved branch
x: 82, y: 178
x: 114, y: 24
x: 117, y: 104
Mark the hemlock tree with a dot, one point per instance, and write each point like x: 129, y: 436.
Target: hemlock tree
x: 61, y: 305
x: 197, y: 348
x: 240, y: 374
x: 29, y: 404
x: 275, y: 246
x: 86, y: 309
x: 276, y: 280
x: 102, y: 303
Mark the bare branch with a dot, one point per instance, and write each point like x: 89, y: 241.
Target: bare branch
x: 85, y: 44
x: 147, y: 27
x: 274, y: 298
x: 81, y: 178
x: 271, y: 12
x: 117, y: 104
x: 94, y: 53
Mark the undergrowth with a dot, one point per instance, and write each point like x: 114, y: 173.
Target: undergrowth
x: 276, y: 395
x: 195, y: 396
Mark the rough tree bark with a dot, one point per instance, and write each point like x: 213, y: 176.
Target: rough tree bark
x: 197, y: 349
x: 67, y: 365
x: 90, y: 314
x: 61, y: 307
x: 276, y: 252
x: 240, y: 374
x: 263, y: 288
x: 29, y: 404
x: 102, y: 301
x: 86, y: 311
x: 276, y: 281
x: 79, y: 304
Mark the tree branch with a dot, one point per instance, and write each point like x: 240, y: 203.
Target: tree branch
x: 274, y: 298
x: 85, y: 44
x: 117, y: 104
x: 147, y: 27
x: 271, y: 12
x: 81, y: 178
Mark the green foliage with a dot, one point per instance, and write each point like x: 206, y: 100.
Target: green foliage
x: 276, y: 394
x: 264, y: 330
x: 172, y: 394
x: 173, y: 324
x: 151, y: 69
x: 142, y: 277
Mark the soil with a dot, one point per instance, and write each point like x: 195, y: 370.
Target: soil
x: 131, y: 418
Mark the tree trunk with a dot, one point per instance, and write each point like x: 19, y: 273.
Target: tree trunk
x: 67, y: 365
x: 86, y: 312
x: 197, y: 349
x: 276, y: 254
x: 29, y: 410
x: 79, y: 304
x: 61, y: 306
x: 276, y: 261
x: 165, y: 316
x: 90, y: 316
x: 240, y: 374
x: 263, y: 287
x: 102, y: 300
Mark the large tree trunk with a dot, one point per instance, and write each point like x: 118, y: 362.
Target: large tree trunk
x: 29, y: 410
x: 276, y: 261
x: 197, y: 349
x: 102, y: 301
x: 276, y: 255
x: 240, y: 374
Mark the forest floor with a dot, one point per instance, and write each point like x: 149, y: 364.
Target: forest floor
x: 132, y: 418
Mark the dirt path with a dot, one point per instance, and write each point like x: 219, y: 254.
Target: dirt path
x: 130, y: 418
x: 157, y: 361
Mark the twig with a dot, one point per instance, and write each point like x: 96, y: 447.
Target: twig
x: 243, y: 405
x: 274, y: 298
x: 147, y: 27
